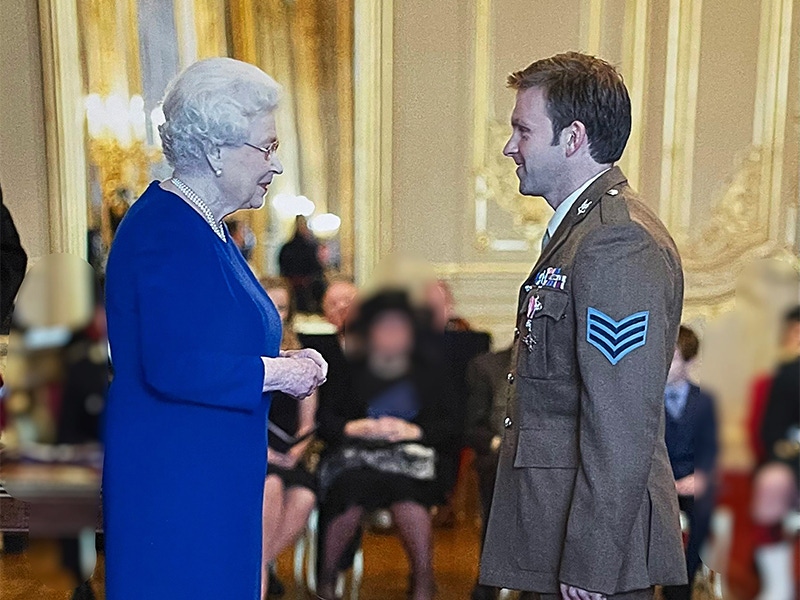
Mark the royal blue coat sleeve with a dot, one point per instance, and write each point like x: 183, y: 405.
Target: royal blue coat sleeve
x: 185, y: 354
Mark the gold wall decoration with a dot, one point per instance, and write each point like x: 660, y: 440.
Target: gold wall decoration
x: 345, y: 93
x: 733, y: 237
x: 771, y: 112
x: 592, y: 13
x: 63, y: 102
x: 680, y: 113
x: 201, y: 29
x: 111, y: 46
x: 635, y: 68
x: 750, y: 218
x: 496, y: 183
x: 372, y: 209
x: 123, y: 171
x: 244, y: 40
x: 114, y: 111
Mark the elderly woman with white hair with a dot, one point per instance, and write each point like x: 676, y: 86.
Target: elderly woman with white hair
x: 195, y: 346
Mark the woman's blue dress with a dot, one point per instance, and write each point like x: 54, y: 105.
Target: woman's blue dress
x: 185, y: 425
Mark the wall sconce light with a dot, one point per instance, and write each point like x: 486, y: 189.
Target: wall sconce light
x: 325, y: 225
x: 119, y: 148
x: 289, y: 206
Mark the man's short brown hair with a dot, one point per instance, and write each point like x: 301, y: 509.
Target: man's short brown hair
x: 688, y: 344
x: 584, y: 88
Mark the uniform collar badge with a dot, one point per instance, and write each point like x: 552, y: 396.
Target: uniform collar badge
x: 584, y: 207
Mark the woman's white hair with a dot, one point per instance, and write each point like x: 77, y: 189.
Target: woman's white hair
x: 211, y: 104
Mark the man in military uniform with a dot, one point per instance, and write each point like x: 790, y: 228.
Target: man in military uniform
x: 585, y: 505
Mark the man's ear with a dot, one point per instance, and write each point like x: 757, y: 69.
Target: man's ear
x: 574, y: 138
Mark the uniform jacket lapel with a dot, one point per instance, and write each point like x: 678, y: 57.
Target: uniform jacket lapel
x: 585, y: 204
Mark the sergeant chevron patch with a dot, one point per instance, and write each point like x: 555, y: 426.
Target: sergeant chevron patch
x: 615, y: 339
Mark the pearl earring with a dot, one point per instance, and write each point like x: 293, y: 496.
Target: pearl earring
x: 218, y: 172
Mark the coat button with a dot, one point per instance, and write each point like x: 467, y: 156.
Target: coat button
x: 612, y: 192
x: 516, y: 332
x: 507, y: 422
x: 510, y: 378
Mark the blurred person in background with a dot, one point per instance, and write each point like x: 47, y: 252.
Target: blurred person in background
x: 79, y: 421
x: 487, y: 385
x: 441, y: 302
x: 242, y: 236
x: 452, y: 342
x: 691, y: 437
x: 300, y: 263
x: 339, y: 305
x: 383, y: 439
x: 789, y: 351
x: 775, y: 487
x: 289, y: 489
x: 195, y: 343
x: 13, y: 263
x: 337, y: 302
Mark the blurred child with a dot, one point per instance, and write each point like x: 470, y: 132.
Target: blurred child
x: 691, y: 437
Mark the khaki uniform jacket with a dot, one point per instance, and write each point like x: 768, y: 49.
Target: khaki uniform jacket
x: 584, y: 492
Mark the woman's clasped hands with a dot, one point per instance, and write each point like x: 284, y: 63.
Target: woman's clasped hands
x: 390, y: 429
x: 295, y: 372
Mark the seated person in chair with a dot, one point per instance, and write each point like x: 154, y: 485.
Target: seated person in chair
x: 777, y: 478
x: 383, y: 441
x: 289, y: 489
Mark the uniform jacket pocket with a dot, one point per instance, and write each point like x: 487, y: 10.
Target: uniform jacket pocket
x: 540, y: 312
x: 547, y: 449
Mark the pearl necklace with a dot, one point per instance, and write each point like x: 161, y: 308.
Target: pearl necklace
x: 199, y: 203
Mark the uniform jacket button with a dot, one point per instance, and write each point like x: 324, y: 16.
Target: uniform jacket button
x: 507, y: 422
x: 516, y: 332
x: 510, y: 378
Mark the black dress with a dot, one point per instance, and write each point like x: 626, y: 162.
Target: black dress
x: 283, y: 416
x: 422, y: 399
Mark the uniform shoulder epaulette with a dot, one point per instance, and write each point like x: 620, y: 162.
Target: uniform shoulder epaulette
x: 613, y: 207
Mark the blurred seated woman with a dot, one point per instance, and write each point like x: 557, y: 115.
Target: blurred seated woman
x: 289, y: 489
x: 384, y: 438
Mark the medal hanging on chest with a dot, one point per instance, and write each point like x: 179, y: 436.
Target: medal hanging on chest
x: 534, y: 306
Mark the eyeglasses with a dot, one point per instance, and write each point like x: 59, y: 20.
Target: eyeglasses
x: 269, y: 151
